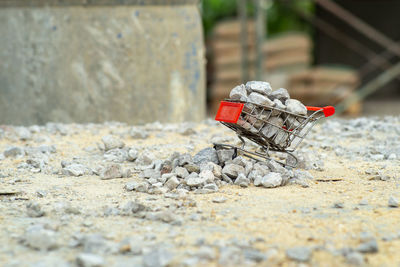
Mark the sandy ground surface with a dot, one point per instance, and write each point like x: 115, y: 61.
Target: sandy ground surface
x: 268, y: 221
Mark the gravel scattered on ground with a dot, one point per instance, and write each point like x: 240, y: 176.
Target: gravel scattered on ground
x: 159, y: 194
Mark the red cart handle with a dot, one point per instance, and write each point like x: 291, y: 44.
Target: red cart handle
x: 328, y: 110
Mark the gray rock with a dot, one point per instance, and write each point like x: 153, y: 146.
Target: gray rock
x: 212, y: 187
x: 220, y: 199
x: 111, y: 171
x: 259, y: 87
x: 13, y: 152
x: 95, y: 243
x: 393, y: 202
x: 254, y: 255
x: 192, y: 168
x: 132, y: 154
x: 185, y: 159
x: 33, y: 209
x: 207, y: 176
x: 181, y: 172
x: 23, y: 133
x: 116, y: 155
x: 158, y: 257
x: 89, y: 260
x: 261, y: 100
x: 137, y: 133
x: 206, y: 155
x: 272, y: 179
x: 239, y: 93
x: 363, y: 202
x: 301, y: 254
x: 280, y: 94
x: 194, y: 181
x: 111, y: 142
x: 355, y: 258
x: 242, y: 180
x: 39, y: 238
x: 133, y: 207
x: 137, y: 186
x: 145, y: 159
x: 296, y: 107
x: 370, y: 246
x: 76, y: 170
x: 172, y: 183
x: 225, y: 155
x: 233, y: 170
x: 270, y: 130
x: 279, y: 105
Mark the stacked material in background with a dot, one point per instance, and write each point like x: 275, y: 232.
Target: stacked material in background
x: 287, y: 64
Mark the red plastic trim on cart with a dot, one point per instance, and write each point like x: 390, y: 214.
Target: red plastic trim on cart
x: 229, y: 112
x: 328, y: 110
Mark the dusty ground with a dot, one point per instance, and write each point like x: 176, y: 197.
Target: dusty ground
x: 263, y: 221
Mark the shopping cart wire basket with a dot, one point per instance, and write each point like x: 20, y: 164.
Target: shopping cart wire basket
x: 272, y: 128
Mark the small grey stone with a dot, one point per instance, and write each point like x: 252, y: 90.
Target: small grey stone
x: 95, y: 243
x: 272, y: 179
x: 254, y: 255
x: 239, y: 93
x: 206, y: 155
x: 111, y: 142
x: 192, y: 168
x: 137, y: 133
x: 132, y: 154
x: 194, y: 181
x: 172, y: 183
x: 393, y: 202
x: 212, y: 187
x: 185, y: 159
x: 39, y: 238
x: 261, y: 100
x: 137, y: 186
x: 181, y: 172
x: 232, y: 170
x: 242, y: 180
x: 133, y: 207
x: 281, y: 94
x: 302, y: 254
x: 370, y: 246
x: 220, y: 199
x: 145, y: 159
x: 33, y: 209
x: 355, y: 258
x: 273, y: 126
x: 89, y: 260
x: 23, y: 133
x: 225, y: 155
x: 116, y: 155
x: 158, y: 257
x: 296, y: 107
x: 207, y: 176
x: 111, y: 171
x: 75, y: 170
x: 259, y: 87
x: 13, y: 152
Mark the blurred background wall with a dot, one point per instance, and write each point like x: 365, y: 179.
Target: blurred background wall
x: 94, y: 61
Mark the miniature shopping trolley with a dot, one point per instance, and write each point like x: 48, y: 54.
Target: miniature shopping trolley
x: 277, y: 132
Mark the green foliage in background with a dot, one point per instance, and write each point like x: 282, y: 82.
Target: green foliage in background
x: 280, y: 17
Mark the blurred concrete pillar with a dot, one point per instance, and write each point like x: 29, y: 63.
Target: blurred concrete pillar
x: 94, y: 61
